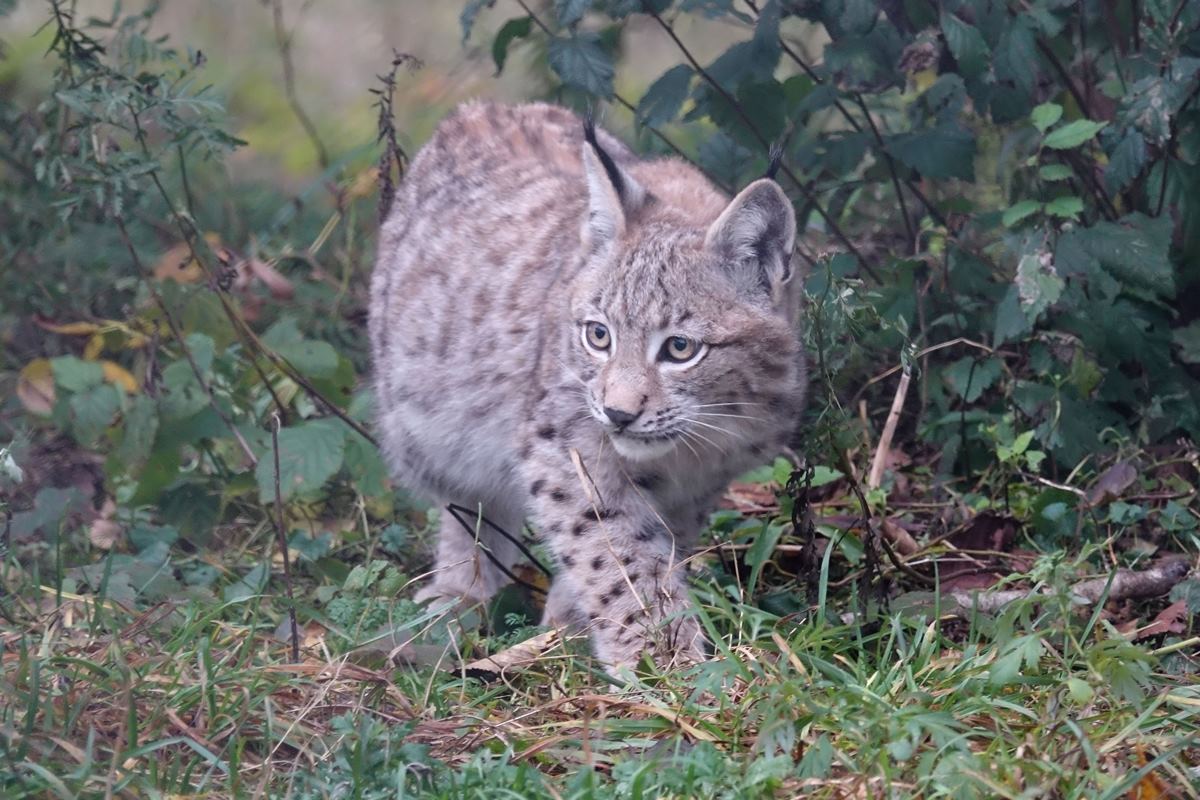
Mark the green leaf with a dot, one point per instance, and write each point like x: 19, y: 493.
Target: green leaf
x: 139, y: 428
x: 1067, y: 207
x: 582, y: 63
x: 466, y: 19
x: 1189, y: 592
x: 1072, y: 134
x: 1011, y: 321
x: 309, y: 454
x: 249, y: 585
x: 664, y: 98
x: 75, y: 374
x: 1045, y: 115
x: 365, y: 465
x: 1019, y: 211
x: 1038, y: 284
x: 1055, y: 172
x: 752, y: 61
x: 1187, y: 339
x: 1125, y: 162
x: 1006, y: 669
x: 570, y: 11
x: 1135, y: 249
x: 970, y: 377
x: 312, y: 358
x: 760, y: 552
x: 92, y: 411
x: 946, y: 151
x: 966, y: 44
x: 824, y: 475
x: 516, y: 28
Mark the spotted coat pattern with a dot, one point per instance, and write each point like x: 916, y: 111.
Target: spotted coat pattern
x: 509, y: 237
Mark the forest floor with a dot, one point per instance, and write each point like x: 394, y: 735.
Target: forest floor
x: 979, y: 661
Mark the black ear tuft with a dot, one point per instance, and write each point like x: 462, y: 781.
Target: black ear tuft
x: 610, y: 167
x: 774, y: 160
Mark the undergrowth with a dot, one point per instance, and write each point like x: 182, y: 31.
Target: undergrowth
x: 977, y: 579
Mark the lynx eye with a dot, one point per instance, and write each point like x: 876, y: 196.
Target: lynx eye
x: 596, y: 336
x: 679, y: 349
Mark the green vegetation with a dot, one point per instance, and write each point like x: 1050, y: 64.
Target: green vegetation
x: 980, y: 581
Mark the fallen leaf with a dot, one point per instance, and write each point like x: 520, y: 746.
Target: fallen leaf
x: 750, y: 497
x: 1112, y: 483
x: 986, y: 532
x: 519, y: 655
x: 35, y: 387
x: 901, y: 540
x: 105, y: 532
x: 1172, y: 619
x: 279, y: 286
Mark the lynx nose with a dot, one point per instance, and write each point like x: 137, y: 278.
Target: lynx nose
x: 619, y: 418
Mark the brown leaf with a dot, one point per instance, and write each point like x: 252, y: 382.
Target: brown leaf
x: 279, y: 286
x: 901, y: 540
x: 750, y: 498
x: 516, y: 657
x: 986, y: 532
x: 1172, y: 619
x: 105, y: 532
x: 1112, y: 483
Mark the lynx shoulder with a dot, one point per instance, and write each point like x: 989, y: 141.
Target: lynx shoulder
x: 565, y: 334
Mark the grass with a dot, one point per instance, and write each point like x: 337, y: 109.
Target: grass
x: 200, y: 698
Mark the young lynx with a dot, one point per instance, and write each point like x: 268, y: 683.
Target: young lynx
x: 565, y: 334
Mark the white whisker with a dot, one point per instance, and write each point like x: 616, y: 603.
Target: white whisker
x: 716, y: 428
x: 701, y: 436
x: 730, y: 416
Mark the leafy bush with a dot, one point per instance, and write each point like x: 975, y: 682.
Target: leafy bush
x: 1018, y: 189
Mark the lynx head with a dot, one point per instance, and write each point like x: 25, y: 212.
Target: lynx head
x: 682, y: 330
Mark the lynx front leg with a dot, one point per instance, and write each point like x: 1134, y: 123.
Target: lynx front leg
x: 623, y: 570
x: 463, y: 573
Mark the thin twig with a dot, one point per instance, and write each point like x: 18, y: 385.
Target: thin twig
x: 179, y: 337
x: 190, y: 235
x: 283, y: 41
x: 875, y: 476
x: 891, y: 164
x: 804, y: 188
x: 854, y: 123
x: 282, y: 539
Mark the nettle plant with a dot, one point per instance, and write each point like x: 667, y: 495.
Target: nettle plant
x: 1018, y: 178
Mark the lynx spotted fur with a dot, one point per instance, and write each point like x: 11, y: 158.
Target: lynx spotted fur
x: 567, y: 335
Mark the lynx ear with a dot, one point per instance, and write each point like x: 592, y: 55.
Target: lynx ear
x: 754, y: 237
x: 613, y: 194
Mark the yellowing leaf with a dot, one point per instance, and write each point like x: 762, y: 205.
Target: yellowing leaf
x: 117, y: 375
x: 924, y: 79
x: 70, y: 328
x: 363, y: 184
x: 178, y: 265
x: 94, y: 347
x: 35, y: 387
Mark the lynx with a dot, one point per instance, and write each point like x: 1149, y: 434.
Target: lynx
x: 567, y: 335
